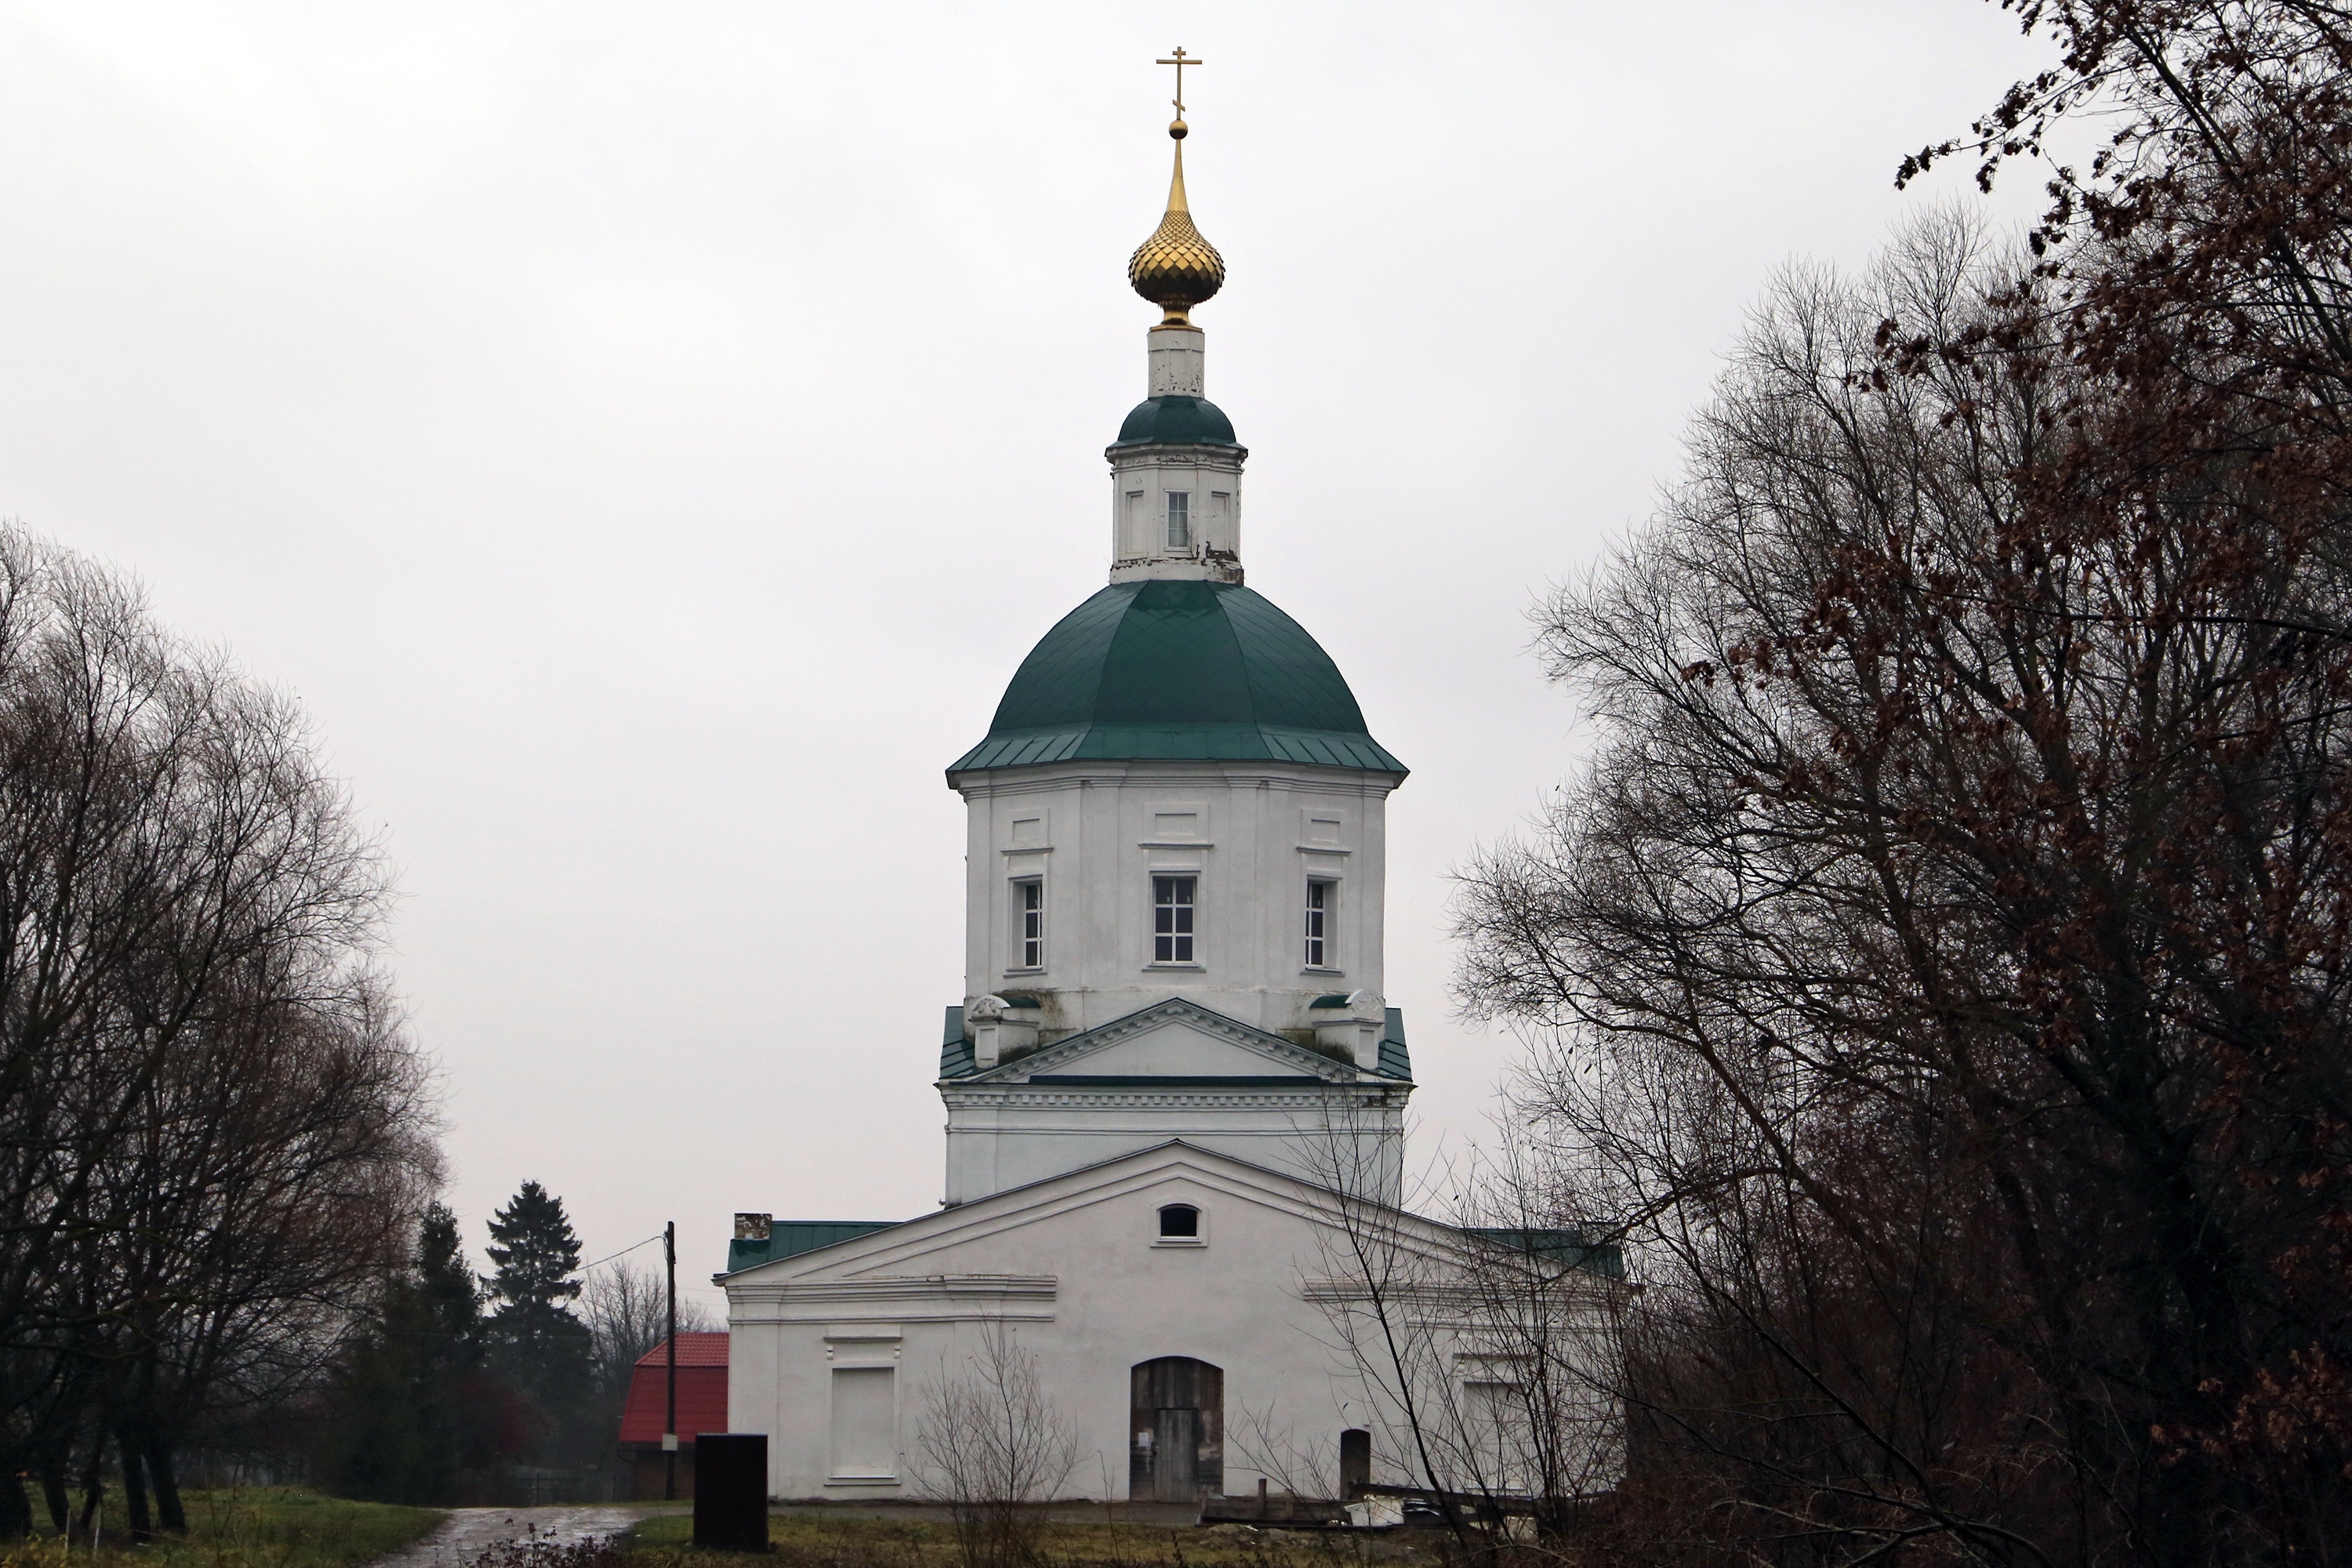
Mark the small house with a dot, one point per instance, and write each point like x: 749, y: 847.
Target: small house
x: 701, y: 1407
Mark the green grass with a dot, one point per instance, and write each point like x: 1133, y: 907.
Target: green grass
x: 818, y: 1541
x: 260, y: 1527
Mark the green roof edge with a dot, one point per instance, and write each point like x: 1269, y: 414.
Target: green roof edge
x: 791, y: 1237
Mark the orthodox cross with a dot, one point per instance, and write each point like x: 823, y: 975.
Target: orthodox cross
x: 1179, y: 62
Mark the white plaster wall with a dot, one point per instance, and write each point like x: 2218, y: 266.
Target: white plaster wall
x: 997, y: 1141
x: 1074, y: 1265
x: 1178, y: 358
x: 1141, y: 477
x: 1081, y: 1275
x: 1252, y: 832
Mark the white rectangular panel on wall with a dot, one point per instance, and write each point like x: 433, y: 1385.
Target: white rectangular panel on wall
x: 864, y: 1424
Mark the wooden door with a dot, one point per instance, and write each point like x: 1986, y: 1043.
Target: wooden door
x: 1176, y: 1430
x: 1178, y: 1444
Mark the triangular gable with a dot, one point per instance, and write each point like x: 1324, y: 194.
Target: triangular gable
x: 900, y: 1252
x: 1171, y: 1039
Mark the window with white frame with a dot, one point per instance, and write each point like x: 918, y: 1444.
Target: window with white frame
x: 1322, y: 906
x: 1180, y: 520
x: 1029, y: 907
x: 1171, y: 918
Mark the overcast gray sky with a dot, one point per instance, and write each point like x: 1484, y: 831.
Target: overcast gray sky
x: 648, y: 436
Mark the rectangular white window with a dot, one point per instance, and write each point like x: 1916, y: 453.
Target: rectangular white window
x: 1171, y: 918
x: 1180, y: 520
x: 1029, y: 903
x: 1319, y: 902
x: 865, y: 1436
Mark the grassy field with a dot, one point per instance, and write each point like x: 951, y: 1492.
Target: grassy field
x: 265, y: 1527
x: 805, y: 1540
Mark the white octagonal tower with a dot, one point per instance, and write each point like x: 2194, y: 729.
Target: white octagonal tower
x: 1177, y: 842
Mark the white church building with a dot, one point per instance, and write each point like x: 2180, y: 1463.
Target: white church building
x: 1175, y: 1089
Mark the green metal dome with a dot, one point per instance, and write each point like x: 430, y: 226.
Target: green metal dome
x: 1209, y: 671
x: 1177, y: 421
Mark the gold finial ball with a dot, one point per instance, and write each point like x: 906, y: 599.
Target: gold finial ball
x: 1178, y: 129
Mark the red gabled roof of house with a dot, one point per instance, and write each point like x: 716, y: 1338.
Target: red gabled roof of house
x: 701, y: 1390
x: 693, y: 1350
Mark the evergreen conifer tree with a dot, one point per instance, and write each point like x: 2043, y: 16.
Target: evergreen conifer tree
x: 452, y: 1297
x: 537, y: 1345
x: 408, y: 1414
x: 375, y: 1442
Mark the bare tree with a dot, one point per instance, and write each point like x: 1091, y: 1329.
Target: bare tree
x: 211, y: 1129
x: 1538, y: 1311
x: 1263, y: 1440
x: 272, y: 1176
x: 625, y: 1309
x: 1483, y: 1345
x: 1941, y: 968
x: 992, y: 1444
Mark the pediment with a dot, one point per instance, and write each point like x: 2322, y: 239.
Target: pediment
x: 1173, y: 1039
x: 1003, y: 1254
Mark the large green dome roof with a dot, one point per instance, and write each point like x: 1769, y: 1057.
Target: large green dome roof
x: 1203, y: 670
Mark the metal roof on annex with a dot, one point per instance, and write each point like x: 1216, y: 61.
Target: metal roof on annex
x: 791, y: 1237
x: 1203, y: 671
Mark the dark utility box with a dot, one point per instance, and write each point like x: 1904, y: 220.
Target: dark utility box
x: 730, y: 1491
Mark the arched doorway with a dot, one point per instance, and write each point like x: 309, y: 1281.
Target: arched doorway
x: 1176, y: 1430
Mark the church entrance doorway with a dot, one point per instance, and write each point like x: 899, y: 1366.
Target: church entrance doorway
x: 1176, y: 1430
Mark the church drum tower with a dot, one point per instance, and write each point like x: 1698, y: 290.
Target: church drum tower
x: 1176, y: 840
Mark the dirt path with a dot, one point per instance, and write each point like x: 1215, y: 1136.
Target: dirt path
x: 474, y: 1531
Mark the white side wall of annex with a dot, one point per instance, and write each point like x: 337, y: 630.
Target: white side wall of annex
x: 1076, y: 1268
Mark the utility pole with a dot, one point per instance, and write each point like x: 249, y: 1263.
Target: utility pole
x: 669, y: 1420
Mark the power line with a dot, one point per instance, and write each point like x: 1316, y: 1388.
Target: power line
x: 610, y: 1255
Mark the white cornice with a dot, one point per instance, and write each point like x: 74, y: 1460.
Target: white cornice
x: 1257, y: 1096
x: 919, y: 1299
x: 1175, y: 455
x: 1157, y: 773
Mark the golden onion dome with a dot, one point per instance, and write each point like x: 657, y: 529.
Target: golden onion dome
x: 1176, y: 268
